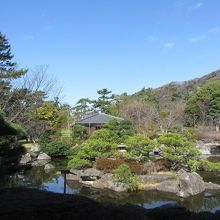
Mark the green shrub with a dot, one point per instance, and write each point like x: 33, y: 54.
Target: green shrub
x: 139, y: 147
x: 123, y: 175
x: 122, y: 128
x: 78, y: 163
x: 79, y: 133
x: 100, y: 144
x: 209, y: 166
x: 46, y: 137
x: 101, y: 148
x: 56, y: 148
x: 104, y: 135
x: 75, y: 150
x: 179, y: 150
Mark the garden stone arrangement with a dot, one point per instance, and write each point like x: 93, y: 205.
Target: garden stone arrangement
x: 37, y: 158
x: 181, y: 183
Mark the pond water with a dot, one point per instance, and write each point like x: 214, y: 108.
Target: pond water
x: 36, y: 177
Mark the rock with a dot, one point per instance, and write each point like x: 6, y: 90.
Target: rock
x: 182, y: 184
x: 116, y: 186
x: 205, y: 150
x: 214, y: 147
x: 148, y: 186
x: 33, y: 154
x: 49, y: 167
x: 91, y: 174
x: 73, y: 177
x: 39, y: 163
x: 76, y: 172
x: 170, y: 186
x: 98, y: 184
x: 35, y: 149
x: 25, y: 159
x: 43, y: 156
x: 106, y: 181
x: 212, y: 187
x: 160, y: 182
x: 190, y: 184
x: 157, y: 177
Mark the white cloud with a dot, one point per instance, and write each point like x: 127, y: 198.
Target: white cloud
x: 168, y: 45
x: 196, y: 39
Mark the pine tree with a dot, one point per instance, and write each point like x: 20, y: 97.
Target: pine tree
x: 7, y: 66
x: 104, y: 101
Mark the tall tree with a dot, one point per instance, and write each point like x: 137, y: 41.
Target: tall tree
x: 204, y: 105
x: 7, y: 66
x: 82, y: 107
x: 106, y: 98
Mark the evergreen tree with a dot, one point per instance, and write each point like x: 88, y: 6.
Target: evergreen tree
x: 7, y: 66
x: 82, y: 107
x: 104, y: 101
x: 204, y: 105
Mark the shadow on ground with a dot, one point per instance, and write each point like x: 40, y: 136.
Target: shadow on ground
x: 22, y: 203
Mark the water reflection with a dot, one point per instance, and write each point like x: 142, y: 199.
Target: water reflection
x: 36, y: 177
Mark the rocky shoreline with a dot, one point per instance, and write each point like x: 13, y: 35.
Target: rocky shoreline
x: 181, y: 184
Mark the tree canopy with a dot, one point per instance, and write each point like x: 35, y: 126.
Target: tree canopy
x: 7, y: 66
x: 204, y: 106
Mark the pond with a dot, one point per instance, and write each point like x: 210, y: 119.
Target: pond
x: 36, y: 177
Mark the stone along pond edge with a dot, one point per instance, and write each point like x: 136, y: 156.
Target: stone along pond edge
x: 182, y: 184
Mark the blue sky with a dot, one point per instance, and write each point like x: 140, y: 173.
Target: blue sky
x: 122, y: 45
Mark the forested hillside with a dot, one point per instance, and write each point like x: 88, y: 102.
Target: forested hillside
x: 173, y: 106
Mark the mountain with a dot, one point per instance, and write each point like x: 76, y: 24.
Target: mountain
x: 164, y: 109
x: 175, y: 91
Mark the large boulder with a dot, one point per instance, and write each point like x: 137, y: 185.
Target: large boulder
x: 209, y: 187
x: 25, y: 159
x: 163, y: 182
x: 43, y: 156
x: 73, y: 177
x: 76, y: 172
x: 91, y: 174
x: 107, y: 182
x: 190, y: 184
x: 169, y: 186
x: 157, y: 177
x: 182, y: 183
